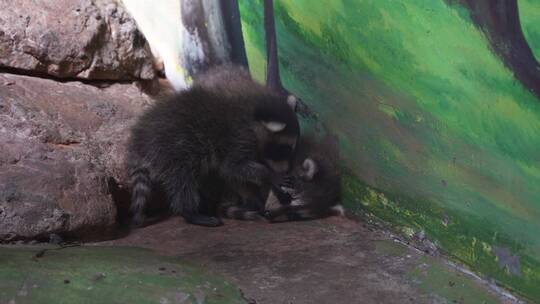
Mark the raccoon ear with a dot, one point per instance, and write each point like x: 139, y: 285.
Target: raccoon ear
x: 274, y: 126
x: 292, y: 101
x: 310, y: 168
x: 338, y: 210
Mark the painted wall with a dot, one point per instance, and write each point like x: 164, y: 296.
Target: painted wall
x: 439, y: 136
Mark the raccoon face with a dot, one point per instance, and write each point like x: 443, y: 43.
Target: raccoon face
x: 277, y: 130
x: 279, y: 153
x: 310, y: 200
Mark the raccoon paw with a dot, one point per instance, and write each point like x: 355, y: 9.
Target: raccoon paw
x: 288, y: 182
x: 283, y: 197
x: 282, y: 181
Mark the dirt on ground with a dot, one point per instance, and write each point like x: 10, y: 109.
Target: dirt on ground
x: 334, y: 260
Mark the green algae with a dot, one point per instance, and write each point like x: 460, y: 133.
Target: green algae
x: 105, y: 275
x: 436, y: 279
x: 460, y: 236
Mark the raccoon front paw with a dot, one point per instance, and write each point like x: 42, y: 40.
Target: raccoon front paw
x: 288, y: 182
x: 282, y: 181
x: 283, y: 197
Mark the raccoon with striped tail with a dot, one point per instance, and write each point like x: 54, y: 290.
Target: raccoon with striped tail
x: 315, y: 189
x: 225, y: 125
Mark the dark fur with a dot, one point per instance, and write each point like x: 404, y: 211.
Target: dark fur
x: 313, y: 196
x: 213, y: 129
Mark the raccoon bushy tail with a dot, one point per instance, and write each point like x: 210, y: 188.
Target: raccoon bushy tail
x: 141, y: 189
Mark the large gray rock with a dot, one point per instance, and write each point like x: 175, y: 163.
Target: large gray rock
x: 61, y: 147
x: 73, y: 39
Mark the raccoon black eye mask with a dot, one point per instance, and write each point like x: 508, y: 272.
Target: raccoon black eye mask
x: 315, y: 188
x: 314, y: 195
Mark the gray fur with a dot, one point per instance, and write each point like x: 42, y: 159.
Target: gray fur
x: 316, y: 191
x: 214, y: 128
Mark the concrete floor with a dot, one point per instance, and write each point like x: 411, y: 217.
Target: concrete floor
x: 335, y: 260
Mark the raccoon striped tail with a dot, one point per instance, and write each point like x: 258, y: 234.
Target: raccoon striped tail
x: 239, y: 213
x: 140, y: 194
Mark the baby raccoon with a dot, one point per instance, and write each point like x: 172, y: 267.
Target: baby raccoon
x: 315, y: 191
x: 225, y: 125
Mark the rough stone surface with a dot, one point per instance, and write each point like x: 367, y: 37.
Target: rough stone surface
x: 334, y: 260
x: 61, y: 145
x: 73, y: 39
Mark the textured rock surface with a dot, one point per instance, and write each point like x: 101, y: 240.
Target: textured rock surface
x: 73, y: 39
x: 60, y: 146
x: 334, y: 260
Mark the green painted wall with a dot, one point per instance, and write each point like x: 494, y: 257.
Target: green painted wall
x: 437, y: 134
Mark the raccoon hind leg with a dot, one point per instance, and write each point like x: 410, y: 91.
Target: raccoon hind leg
x: 184, y: 200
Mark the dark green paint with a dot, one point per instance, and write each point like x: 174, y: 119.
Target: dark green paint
x: 426, y: 114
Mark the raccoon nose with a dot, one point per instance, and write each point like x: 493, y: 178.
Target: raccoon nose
x: 267, y: 214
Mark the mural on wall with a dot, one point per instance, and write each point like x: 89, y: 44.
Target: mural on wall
x: 499, y: 19
x: 437, y: 110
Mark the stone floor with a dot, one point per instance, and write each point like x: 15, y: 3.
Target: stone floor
x: 335, y: 260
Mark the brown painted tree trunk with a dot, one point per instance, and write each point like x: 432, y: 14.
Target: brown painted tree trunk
x: 233, y: 27
x: 499, y: 19
x: 273, y: 80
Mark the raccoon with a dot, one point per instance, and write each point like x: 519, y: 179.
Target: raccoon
x: 225, y: 125
x: 315, y: 189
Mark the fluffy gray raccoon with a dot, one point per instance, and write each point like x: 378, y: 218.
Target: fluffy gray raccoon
x: 316, y: 191
x: 226, y: 125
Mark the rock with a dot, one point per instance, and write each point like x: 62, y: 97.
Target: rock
x: 73, y: 39
x: 61, y: 144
